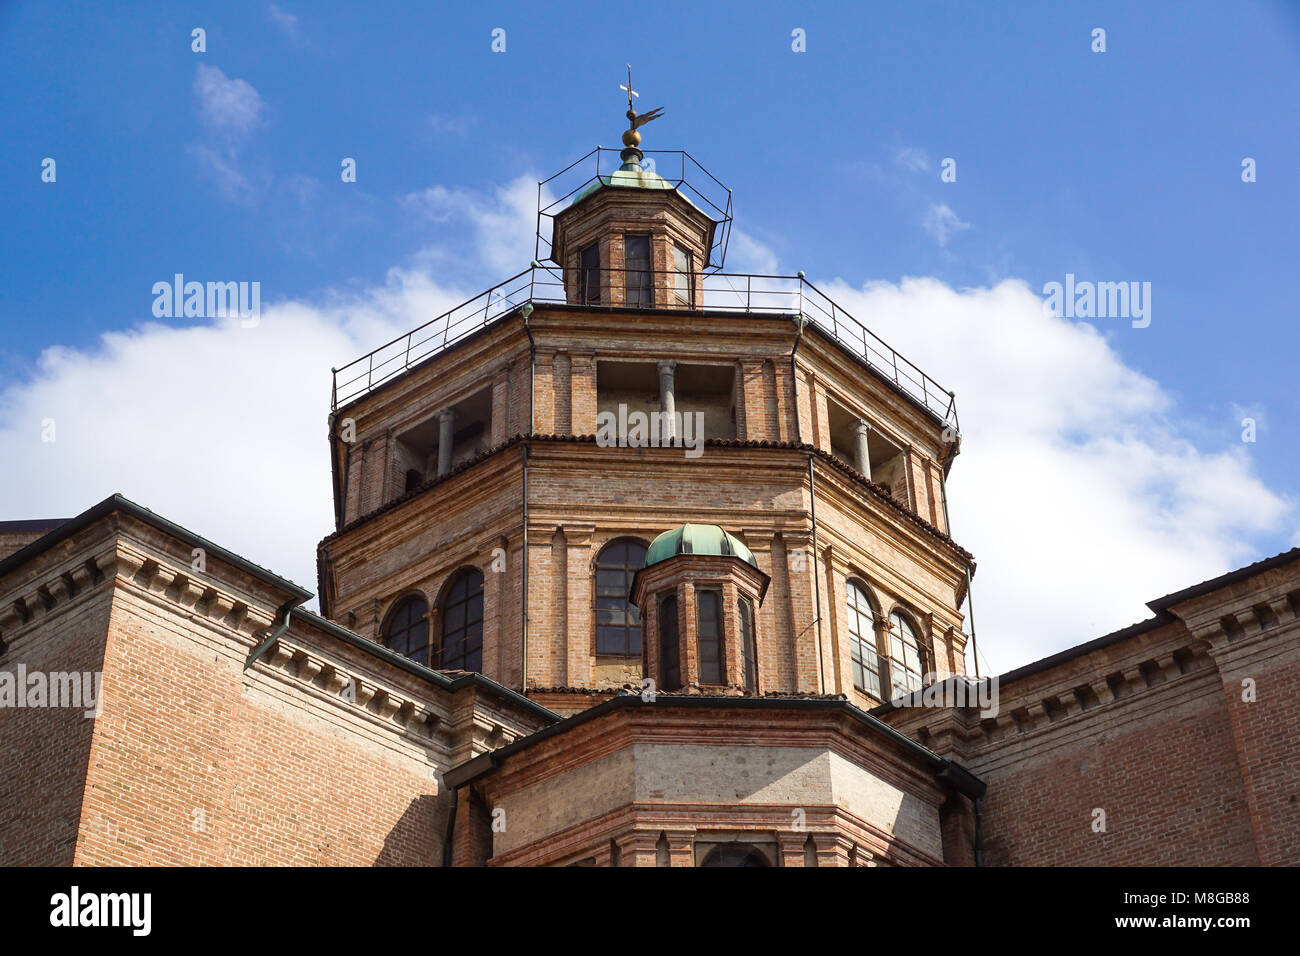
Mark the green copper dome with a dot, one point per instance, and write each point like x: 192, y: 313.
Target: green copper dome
x: 697, y: 539
x: 629, y: 174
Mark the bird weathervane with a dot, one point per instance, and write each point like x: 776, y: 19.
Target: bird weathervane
x: 631, y: 138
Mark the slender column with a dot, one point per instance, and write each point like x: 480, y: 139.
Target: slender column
x: 668, y: 399
x: 446, y: 419
x: 860, y: 430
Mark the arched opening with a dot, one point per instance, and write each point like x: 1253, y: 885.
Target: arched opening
x: 406, y: 629
x: 461, y: 613
x: 618, y: 620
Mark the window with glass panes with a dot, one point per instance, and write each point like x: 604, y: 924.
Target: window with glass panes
x: 862, y: 641
x: 407, y: 629
x: 681, y: 276
x: 462, y: 623
x: 905, y: 661
x: 708, y: 636
x: 618, y: 621
x: 670, y: 652
x: 589, y: 276
x: 749, y: 657
x: 636, y: 262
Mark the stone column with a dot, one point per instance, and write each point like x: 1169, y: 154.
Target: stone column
x: 832, y: 849
x: 862, y: 454
x: 446, y: 421
x: 792, y: 845
x: 638, y: 848
x: 680, y: 847
x: 668, y: 399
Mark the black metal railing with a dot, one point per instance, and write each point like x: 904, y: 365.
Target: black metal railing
x: 791, y: 296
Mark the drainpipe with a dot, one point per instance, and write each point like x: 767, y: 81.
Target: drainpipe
x: 451, y: 828
x: 523, y: 604
x: 284, y: 614
x: 979, y: 833
x: 794, y: 378
x: 526, y: 312
x: 970, y: 599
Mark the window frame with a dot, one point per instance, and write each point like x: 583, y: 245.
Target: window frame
x: 667, y: 612
x: 586, y: 273
x: 645, y: 291
x: 445, y: 602
x: 630, y: 607
x: 748, y: 642
x: 400, y: 602
x: 686, y: 279
x: 908, y: 621
x: 863, y: 643
x: 720, y: 638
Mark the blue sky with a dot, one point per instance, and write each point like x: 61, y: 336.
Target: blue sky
x: 1122, y: 165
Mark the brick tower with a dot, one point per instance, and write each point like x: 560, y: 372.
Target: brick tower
x: 500, y: 472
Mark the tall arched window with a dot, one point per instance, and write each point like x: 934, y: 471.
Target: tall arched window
x: 462, y: 623
x: 406, y: 630
x: 708, y: 637
x: 862, y: 641
x: 905, y: 660
x: 748, y: 650
x: 618, y: 621
x: 670, y: 659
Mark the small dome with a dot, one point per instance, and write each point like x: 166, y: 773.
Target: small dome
x: 629, y: 174
x: 698, y: 539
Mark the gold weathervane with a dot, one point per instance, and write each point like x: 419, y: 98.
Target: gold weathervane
x: 631, y: 138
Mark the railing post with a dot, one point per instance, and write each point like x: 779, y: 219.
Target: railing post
x: 408, y: 348
x: 370, y: 373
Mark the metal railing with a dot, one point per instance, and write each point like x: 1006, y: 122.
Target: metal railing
x: 790, y: 296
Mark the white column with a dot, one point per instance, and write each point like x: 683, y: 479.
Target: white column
x: 446, y: 419
x: 860, y: 430
x: 668, y: 399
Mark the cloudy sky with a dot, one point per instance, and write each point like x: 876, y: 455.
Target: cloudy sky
x: 1103, y: 463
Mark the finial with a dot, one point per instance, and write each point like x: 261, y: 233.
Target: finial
x: 632, y: 138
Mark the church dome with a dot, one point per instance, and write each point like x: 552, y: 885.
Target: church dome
x: 707, y: 539
x: 630, y: 174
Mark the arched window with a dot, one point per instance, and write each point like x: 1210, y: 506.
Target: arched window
x: 406, y: 630
x: 708, y: 637
x: 748, y: 650
x: 618, y: 621
x: 670, y: 672
x: 905, y: 662
x: 862, y: 641
x: 462, y: 623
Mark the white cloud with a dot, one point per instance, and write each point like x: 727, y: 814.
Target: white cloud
x: 230, y: 106
x: 910, y: 157
x: 218, y: 427
x: 747, y: 254
x: 942, y: 223
x: 1075, y: 489
x: 503, y: 224
x: 230, y: 109
x: 287, y: 22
